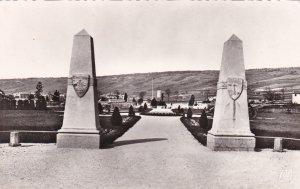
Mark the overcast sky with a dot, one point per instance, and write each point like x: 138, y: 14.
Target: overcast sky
x: 132, y: 37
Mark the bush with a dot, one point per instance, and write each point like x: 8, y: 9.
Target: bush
x: 13, y: 104
x: 26, y: 105
x: 131, y: 111
x: 31, y: 103
x: 100, y: 108
x: 189, y: 113
x: 116, y: 118
x: 20, y: 105
x: 203, y: 121
x: 5, y: 104
x: 192, y: 100
x: 161, y: 103
x: 140, y: 101
x: 140, y: 108
x: 153, y: 102
x: 145, y: 107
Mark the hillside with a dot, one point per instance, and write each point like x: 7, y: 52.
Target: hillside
x: 186, y: 82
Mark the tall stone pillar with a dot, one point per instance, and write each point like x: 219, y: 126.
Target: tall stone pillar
x: 81, y: 117
x: 231, y: 127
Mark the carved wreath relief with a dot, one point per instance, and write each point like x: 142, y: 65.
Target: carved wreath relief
x: 81, y: 84
x: 234, y: 87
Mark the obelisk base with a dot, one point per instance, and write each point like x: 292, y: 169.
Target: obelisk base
x: 230, y: 143
x: 78, y: 140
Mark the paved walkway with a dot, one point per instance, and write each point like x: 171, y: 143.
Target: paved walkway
x: 158, y: 152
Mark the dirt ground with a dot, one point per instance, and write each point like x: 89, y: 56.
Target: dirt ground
x: 158, y: 152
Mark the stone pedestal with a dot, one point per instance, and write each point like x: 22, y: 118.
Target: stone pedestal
x: 231, y: 126
x: 278, y: 145
x: 14, y: 139
x: 81, y: 117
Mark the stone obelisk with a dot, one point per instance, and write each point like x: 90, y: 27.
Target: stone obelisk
x: 81, y: 117
x: 231, y: 126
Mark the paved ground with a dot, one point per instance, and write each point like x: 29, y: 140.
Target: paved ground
x: 158, y: 152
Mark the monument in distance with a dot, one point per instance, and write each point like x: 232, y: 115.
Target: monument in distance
x: 81, y: 117
x: 231, y: 126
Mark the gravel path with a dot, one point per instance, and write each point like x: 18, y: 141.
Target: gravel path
x: 158, y: 152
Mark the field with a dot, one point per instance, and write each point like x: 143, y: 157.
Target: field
x: 266, y: 124
x: 32, y: 120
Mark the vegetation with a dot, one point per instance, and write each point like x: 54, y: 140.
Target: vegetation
x: 203, y: 121
x: 116, y: 118
x: 131, y: 111
x: 189, y: 113
x: 153, y: 102
x: 145, y: 107
x: 100, y: 108
x: 39, y: 90
x: 125, y: 97
x: 192, y: 100
x: 168, y: 92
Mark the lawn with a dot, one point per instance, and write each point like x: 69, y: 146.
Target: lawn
x: 33, y: 120
x: 265, y: 124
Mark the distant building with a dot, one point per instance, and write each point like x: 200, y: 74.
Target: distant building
x: 296, y: 97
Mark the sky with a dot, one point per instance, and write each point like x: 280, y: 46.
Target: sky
x: 145, y: 36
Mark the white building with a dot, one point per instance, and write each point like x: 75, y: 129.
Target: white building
x: 296, y: 98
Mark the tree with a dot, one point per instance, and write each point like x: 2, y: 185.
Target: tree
x: 100, y: 108
x: 134, y: 101
x: 140, y: 101
x: 30, y: 96
x: 39, y: 90
x: 176, y: 93
x: 116, y: 118
x: 203, y: 121
x: 192, y: 100
x: 271, y: 95
x: 189, y: 113
x: 125, y: 97
x: 55, y: 96
x: 145, y: 107
x: 178, y: 108
x: 153, y: 102
x: 168, y: 92
x: 117, y: 93
x: 131, y: 111
x: 162, y: 96
x: 142, y: 94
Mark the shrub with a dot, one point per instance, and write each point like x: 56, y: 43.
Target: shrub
x: 145, y: 107
x: 116, y: 118
x: 32, y: 106
x: 131, y: 111
x: 189, y: 113
x: 26, y: 105
x: 161, y: 103
x: 153, y: 102
x: 140, y: 108
x: 203, y: 121
x: 20, y: 105
x: 13, y: 104
x: 192, y: 100
x: 100, y: 108
x: 140, y: 101
x: 5, y: 104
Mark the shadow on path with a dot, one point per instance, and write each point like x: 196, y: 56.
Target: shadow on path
x: 136, y: 141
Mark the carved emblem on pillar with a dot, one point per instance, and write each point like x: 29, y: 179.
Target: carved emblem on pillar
x: 81, y: 84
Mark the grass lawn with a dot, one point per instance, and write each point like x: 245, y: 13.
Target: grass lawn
x: 33, y: 120
x: 266, y: 124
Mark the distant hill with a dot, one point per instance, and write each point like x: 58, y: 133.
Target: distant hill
x: 185, y: 82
